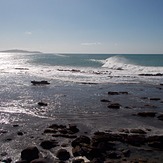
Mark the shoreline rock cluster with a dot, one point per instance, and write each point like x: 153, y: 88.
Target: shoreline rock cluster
x: 122, y: 145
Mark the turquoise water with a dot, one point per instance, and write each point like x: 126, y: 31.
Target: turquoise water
x: 96, y: 60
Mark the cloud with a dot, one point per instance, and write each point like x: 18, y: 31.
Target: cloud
x: 90, y: 43
x: 28, y: 33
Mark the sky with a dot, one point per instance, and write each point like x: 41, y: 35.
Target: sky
x: 82, y: 26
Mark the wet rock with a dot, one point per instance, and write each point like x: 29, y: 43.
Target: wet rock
x: 124, y: 130
x: 21, y: 161
x: 30, y: 153
x: 155, y: 99
x: 147, y: 114
x: 160, y: 117
x: 104, y: 100
x: 48, y: 144
x: 20, y: 133
x: 80, y: 140
x: 137, y: 131
x: 135, y: 140
x: 114, y: 106
x: 63, y: 154
x: 8, y: 160
x: 43, y: 82
x: 158, y: 74
x: 15, y: 125
x: 73, y: 129
x: 113, y: 155
x: 50, y: 130
x: 42, y: 104
x: 117, y: 93
x: 156, y: 144
x: 78, y: 161
x: 126, y: 153
x: 3, y: 154
x: 64, y: 136
x: 39, y: 161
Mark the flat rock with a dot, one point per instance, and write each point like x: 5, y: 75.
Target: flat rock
x: 63, y: 154
x: 147, y: 114
x: 48, y: 144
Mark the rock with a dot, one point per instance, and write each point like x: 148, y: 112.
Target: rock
x: 30, y: 153
x: 43, y: 82
x: 21, y: 161
x: 160, y: 117
x: 155, y: 99
x: 147, y: 114
x: 137, y: 131
x: 63, y: 154
x: 81, y: 140
x: 50, y: 130
x: 124, y: 130
x: 8, y: 160
x: 114, y: 155
x: 156, y: 144
x: 73, y: 129
x: 42, y: 104
x: 114, y: 106
x: 15, y: 125
x: 78, y: 161
x: 48, y: 144
x: 117, y: 93
x: 103, y: 100
x: 20, y: 133
x: 39, y: 161
x: 126, y: 153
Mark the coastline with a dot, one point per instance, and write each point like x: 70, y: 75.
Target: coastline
x: 86, y: 106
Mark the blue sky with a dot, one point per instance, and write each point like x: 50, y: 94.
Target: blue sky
x: 82, y: 26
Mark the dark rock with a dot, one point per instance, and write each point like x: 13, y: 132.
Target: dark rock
x: 78, y: 161
x: 73, y: 129
x: 42, y: 104
x: 30, y: 154
x: 50, y: 130
x: 21, y: 161
x: 81, y: 140
x: 137, y: 131
x: 103, y: 100
x: 3, y: 154
x: 155, y: 99
x: 157, y: 138
x: 114, y: 155
x: 135, y: 140
x: 117, y: 93
x: 114, y: 106
x: 126, y: 153
x: 39, y: 161
x: 63, y: 154
x: 124, y: 130
x: 48, y: 144
x: 43, y: 82
x: 20, y: 133
x: 16, y: 125
x: 64, y: 136
x: 147, y: 114
x: 156, y: 144
x: 158, y: 74
x: 79, y: 151
x: 8, y: 160
x: 160, y: 117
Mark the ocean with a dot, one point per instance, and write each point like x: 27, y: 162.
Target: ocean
x: 78, y: 83
x: 98, y: 68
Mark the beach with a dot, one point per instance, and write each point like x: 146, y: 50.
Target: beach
x: 87, y: 107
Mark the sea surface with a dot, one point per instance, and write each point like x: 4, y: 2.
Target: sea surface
x: 78, y: 83
x: 97, y: 68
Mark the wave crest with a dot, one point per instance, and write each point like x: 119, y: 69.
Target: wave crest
x: 117, y: 63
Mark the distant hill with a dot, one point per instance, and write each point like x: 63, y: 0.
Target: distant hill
x: 19, y: 51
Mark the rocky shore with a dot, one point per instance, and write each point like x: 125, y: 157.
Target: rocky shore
x: 74, y: 143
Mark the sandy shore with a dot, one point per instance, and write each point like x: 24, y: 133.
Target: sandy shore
x: 127, y: 118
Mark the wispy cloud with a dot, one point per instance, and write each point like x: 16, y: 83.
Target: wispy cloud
x: 90, y: 43
x: 28, y: 33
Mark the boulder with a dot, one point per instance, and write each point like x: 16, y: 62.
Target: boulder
x: 81, y: 140
x: 42, y: 104
x: 63, y: 154
x: 160, y: 117
x: 48, y: 144
x: 30, y: 153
